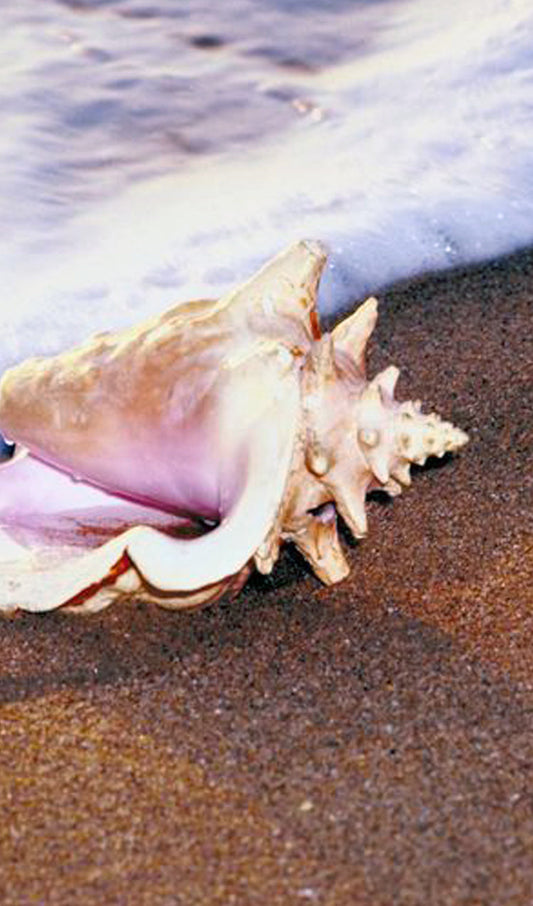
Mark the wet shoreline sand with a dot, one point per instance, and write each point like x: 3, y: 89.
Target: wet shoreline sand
x: 364, y: 744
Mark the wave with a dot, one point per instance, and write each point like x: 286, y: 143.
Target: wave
x: 407, y: 148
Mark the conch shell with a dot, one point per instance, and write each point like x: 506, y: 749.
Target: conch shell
x: 238, y: 414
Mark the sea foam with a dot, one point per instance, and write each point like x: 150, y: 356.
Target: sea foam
x: 400, y: 133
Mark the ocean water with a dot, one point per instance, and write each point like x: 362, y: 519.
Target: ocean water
x: 157, y: 151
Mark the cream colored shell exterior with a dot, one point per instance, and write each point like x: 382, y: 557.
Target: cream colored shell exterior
x: 259, y: 422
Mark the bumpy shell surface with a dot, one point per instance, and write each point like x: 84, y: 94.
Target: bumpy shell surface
x: 237, y: 413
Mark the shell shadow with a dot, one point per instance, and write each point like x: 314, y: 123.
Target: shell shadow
x: 48, y: 653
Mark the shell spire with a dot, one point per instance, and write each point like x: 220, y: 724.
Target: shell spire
x: 392, y: 435
x: 419, y: 436
x: 357, y: 438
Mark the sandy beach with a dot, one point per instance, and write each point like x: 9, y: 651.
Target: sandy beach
x: 364, y: 745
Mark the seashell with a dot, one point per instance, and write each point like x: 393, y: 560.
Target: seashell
x: 237, y: 414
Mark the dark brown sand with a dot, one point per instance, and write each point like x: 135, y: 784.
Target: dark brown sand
x: 369, y: 744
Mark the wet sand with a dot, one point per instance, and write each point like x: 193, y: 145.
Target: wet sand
x: 368, y: 744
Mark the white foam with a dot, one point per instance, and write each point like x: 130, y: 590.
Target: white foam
x: 414, y: 155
